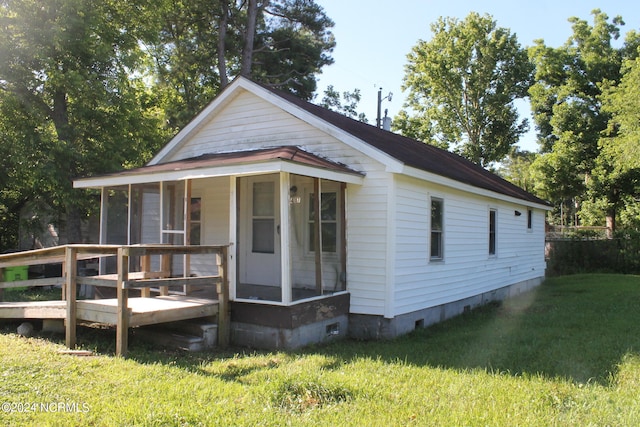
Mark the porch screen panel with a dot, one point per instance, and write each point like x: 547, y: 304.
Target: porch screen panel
x: 115, y: 218
x: 145, y: 220
x: 114, y: 222
x: 303, y: 216
x: 173, y: 208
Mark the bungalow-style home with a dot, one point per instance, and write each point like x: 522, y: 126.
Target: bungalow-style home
x: 335, y: 227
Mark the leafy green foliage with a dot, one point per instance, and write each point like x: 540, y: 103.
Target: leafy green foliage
x: 566, y: 100
x: 517, y: 169
x: 67, y: 69
x: 462, y: 84
x: 346, y: 105
x: 199, y: 40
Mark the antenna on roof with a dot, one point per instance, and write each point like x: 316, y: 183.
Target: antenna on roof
x: 380, y: 99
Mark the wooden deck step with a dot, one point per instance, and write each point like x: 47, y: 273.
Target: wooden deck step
x: 165, y: 338
x: 190, y: 335
x: 33, y: 310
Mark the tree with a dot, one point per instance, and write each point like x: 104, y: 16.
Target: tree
x: 615, y: 179
x: 516, y: 168
x: 462, y: 85
x: 567, y: 106
x: 201, y: 44
x: 66, y: 69
x: 346, y: 105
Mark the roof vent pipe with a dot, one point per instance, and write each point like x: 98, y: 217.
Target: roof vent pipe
x: 386, y: 121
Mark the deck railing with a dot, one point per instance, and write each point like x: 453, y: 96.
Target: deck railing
x: 124, y: 280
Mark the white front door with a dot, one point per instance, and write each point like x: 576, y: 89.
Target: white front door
x: 260, y: 231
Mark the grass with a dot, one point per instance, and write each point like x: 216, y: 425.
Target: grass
x: 565, y: 354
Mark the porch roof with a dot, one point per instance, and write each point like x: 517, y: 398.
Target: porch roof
x: 268, y: 160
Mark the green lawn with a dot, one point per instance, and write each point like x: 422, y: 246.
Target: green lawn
x: 566, y: 354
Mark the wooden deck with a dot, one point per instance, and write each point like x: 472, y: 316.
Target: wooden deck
x: 147, y: 311
x: 142, y: 311
x: 124, y: 311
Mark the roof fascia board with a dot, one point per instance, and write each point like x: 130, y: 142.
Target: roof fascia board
x: 451, y: 183
x: 271, y: 166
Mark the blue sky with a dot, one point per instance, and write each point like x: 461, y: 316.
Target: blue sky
x: 374, y: 37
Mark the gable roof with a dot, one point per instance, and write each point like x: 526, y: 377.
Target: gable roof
x: 396, y: 151
x: 414, y: 153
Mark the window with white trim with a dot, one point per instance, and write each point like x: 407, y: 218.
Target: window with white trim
x: 492, y: 231
x: 436, y: 251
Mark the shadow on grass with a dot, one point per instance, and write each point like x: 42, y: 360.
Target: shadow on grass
x: 574, y: 327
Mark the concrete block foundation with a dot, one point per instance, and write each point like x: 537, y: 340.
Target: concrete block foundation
x: 288, y: 327
x: 363, y: 326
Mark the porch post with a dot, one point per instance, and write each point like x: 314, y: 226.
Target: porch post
x: 122, y: 320
x: 343, y: 235
x: 285, y: 249
x: 70, y: 264
x: 187, y: 233
x: 102, y: 268
x: 232, y: 258
x: 317, y: 233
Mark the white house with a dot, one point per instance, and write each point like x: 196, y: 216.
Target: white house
x: 335, y: 227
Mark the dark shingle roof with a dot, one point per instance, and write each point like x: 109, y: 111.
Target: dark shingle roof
x: 414, y: 153
x: 286, y: 153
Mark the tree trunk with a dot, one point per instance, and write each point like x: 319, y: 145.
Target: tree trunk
x: 247, y: 50
x: 66, y: 165
x: 611, y: 222
x: 222, y: 39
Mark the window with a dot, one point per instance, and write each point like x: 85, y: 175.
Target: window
x: 195, y: 221
x: 529, y: 219
x: 492, y: 232
x: 437, y: 210
x: 328, y: 224
x: 264, y: 218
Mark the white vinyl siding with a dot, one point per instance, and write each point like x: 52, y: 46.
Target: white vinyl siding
x: 466, y: 269
x: 250, y: 123
x: 367, y: 212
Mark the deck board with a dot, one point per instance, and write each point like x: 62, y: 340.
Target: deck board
x: 142, y: 311
x: 147, y: 311
x: 33, y: 310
